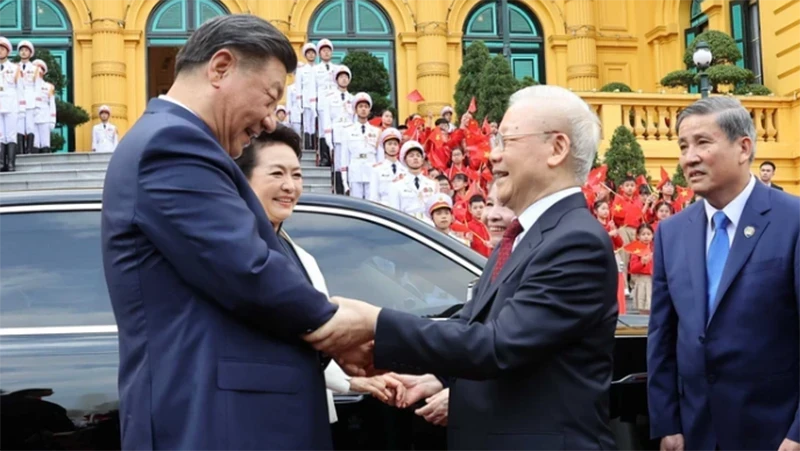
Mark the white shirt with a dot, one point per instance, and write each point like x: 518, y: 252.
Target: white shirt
x: 733, y: 211
x: 170, y: 99
x: 532, y: 214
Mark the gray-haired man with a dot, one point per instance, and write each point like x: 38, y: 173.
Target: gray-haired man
x: 724, y: 339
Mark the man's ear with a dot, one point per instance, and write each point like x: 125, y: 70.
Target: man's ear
x: 220, y: 66
x: 745, y: 147
x: 561, y: 148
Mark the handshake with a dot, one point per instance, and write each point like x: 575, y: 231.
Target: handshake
x: 348, y: 336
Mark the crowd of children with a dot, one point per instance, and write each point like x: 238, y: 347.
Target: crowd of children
x: 631, y: 215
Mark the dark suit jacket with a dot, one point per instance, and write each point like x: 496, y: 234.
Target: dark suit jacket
x: 209, y: 310
x: 777, y: 187
x: 532, y: 353
x: 732, y: 380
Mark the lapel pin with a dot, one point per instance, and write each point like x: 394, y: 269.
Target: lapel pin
x: 749, y: 231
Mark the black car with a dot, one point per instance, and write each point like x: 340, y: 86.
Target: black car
x: 58, y: 338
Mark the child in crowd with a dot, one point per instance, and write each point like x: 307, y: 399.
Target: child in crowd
x: 440, y: 212
x: 603, y: 214
x: 663, y: 210
x: 641, y: 270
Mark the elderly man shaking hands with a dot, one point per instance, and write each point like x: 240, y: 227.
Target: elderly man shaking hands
x: 536, y: 341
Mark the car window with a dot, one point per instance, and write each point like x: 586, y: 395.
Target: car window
x: 52, y: 271
x: 367, y: 261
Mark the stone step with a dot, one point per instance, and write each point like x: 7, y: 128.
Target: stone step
x: 96, y: 183
x: 71, y: 156
x: 69, y: 174
x: 317, y: 188
x: 43, y: 166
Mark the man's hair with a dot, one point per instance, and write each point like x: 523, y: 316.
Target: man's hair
x: 251, y: 38
x: 731, y: 117
x: 768, y: 163
x: 282, y: 135
x: 441, y: 121
x: 461, y: 177
x: 441, y: 177
x: 476, y: 198
x: 584, y: 125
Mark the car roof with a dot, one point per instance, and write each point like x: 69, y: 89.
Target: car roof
x: 73, y: 196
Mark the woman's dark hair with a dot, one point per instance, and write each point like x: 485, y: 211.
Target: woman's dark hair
x: 659, y: 204
x: 598, y: 203
x: 281, y: 135
x: 462, y: 177
x: 643, y: 226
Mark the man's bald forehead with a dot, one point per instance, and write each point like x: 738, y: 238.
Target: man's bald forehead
x: 536, y: 115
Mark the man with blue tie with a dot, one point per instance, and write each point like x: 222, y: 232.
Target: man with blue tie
x: 723, y: 344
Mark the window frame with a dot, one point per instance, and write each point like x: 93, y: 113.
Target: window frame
x: 526, y: 46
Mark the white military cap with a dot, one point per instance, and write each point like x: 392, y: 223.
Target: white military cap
x: 105, y: 108
x: 408, y: 146
x: 390, y: 133
x: 446, y: 110
x: 309, y: 46
x: 362, y: 97
x: 324, y: 43
x: 41, y: 64
x: 6, y: 43
x: 27, y: 44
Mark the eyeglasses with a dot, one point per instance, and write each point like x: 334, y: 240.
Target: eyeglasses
x: 501, y: 142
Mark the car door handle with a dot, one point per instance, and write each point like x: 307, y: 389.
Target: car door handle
x: 635, y: 378
x: 350, y: 398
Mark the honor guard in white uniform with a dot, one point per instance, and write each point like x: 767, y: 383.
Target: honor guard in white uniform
x: 294, y: 107
x: 411, y: 192
x: 45, y: 116
x: 441, y: 201
x: 388, y: 170
x: 104, y: 134
x: 307, y: 86
x: 10, y: 93
x: 31, y: 83
x: 447, y: 114
x: 359, y: 148
x: 338, y: 111
x: 282, y: 115
x: 324, y: 80
x: 324, y: 71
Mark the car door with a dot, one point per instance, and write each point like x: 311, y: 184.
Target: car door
x: 366, y: 257
x: 58, y: 341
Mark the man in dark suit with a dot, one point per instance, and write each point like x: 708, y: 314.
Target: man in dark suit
x: 722, y: 351
x: 210, y: 312
x: 767, y: 172
x: 531, y: 356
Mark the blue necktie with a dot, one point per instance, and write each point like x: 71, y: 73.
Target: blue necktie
x: 717, y: 255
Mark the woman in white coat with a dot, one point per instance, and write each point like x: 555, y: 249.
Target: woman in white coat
x: 271, y: 163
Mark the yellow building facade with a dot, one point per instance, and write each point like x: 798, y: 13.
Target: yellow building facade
x: 121, y: 53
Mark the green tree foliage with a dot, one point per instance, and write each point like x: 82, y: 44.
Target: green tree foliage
x: 370, y: 76
x: 678, y: 179
x: 752, y: 89
x: 475, y: 59
x: 597, y: 161
x: 616, y: 87
x: 526, y: 81
x: 723, y: 48
x: 67, y: 114
x: 722, y: 71
x: 497, y: 83
x: 678, y: 78
x: 624, y: 156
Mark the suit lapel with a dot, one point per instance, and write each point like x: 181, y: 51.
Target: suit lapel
x: 524, y: 249
x: 696, y: 259
x: 752, y: 217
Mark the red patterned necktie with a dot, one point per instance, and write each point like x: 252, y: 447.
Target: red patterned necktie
x: 506, y: 245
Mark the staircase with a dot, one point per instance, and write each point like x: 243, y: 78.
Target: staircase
x: 88, y: 170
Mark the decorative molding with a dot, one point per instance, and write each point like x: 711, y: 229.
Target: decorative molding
x: 133, y: 35
x: 108, y: 68
x: 430, y: 69
x: 582, y: 70
x: 661, y: 32
x: 407, y: 37
x: 431, y: 28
